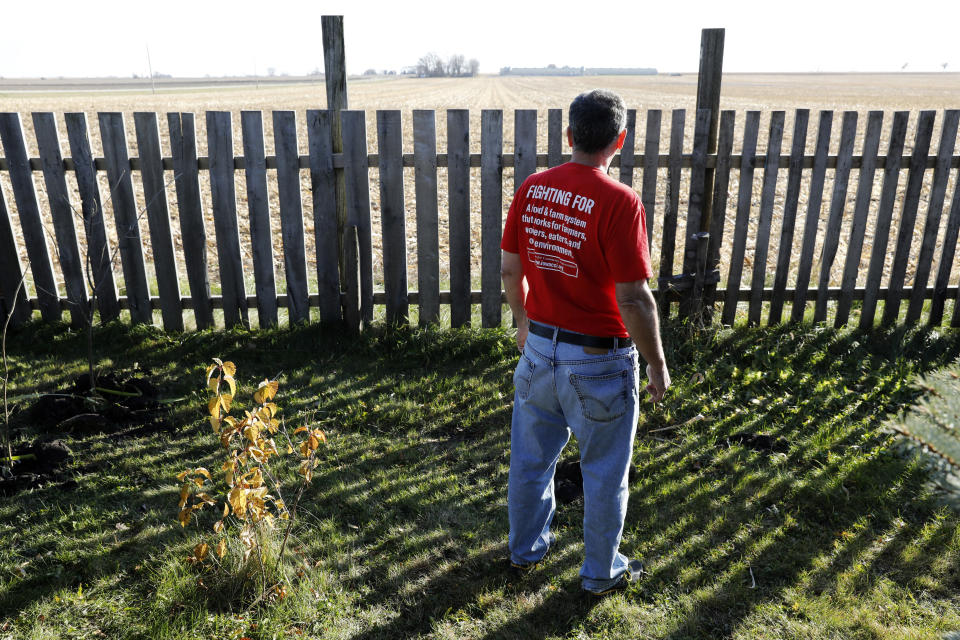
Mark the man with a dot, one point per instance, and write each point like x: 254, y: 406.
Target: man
x: 575, y: 270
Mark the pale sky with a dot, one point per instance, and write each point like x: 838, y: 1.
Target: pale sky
x: 199, y: 37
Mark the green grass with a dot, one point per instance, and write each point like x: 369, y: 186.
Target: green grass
x: 403, y: 532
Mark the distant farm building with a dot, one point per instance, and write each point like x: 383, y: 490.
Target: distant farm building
x: 554, y: 70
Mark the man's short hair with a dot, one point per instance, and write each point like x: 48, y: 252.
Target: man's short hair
x: 596, y: 119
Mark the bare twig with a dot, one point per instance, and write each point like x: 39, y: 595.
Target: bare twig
x: 667, y: 428
x: 8, y: 439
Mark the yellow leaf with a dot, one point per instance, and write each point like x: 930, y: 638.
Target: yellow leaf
x: 222, y: 547
x: 238, y: 501
x: 289, y: 449
x: 184, y: 516
x: 210, y: 369
x: 218, y: 361
x: 229, y: 368
x: 200, y: 551
x: 272, y: 408
x: 299, y: 429
x: 215, y: 423
x: 226, y: 509
x: 225, y: 401
x: 314, y: 442
x: 198, y: 482
x: 218, y: 526
x: 304, y: 449
x: 182, y: 475
x: 233, y: 385
x: 230, y: 420
x: 213, y: 407
x: 202, y: 471
x: 268, y: 389
x: 206, y: 498
x: 184, y: 494
x: 252, y: 432
x: 213, y: 383
x: 321, y: 435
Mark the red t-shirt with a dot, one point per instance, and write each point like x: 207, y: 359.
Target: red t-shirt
x: 578, y: 232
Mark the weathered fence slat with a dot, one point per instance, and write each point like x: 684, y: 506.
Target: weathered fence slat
x: 908, y: 218
x: 871, y: 144
x: 15, y: 301
x: 31, y: 225
x: 838, y: 199
x: 881, y: 233
x: 747, y: 161
x: 458, y: 189
x: 224, y: 197
x: 767, y: 194
x: 789, y: 223
x: 351, y: 278
x: 627, y: 153
x: 491, y: 214
x: 669, y: 240
x: 193, y: 233
x: 158, y: 219
x: 946, y: 256
x: 554, y: 137
x: 98, y: 262
x: 258, y: 208
x: 291, y: 215
x: 524, y: 146
x: 695, y: 204
x: 719, y: 217
x: 651, y: 155
x: 931, y: 227
x: 428, y: 234
x: 393, y: 216
x: 356, y: 174
x: 114, y: 138
x: 812, y: 220
x: 324, y: 191
x: 61, y: 210
x: 689, y: 306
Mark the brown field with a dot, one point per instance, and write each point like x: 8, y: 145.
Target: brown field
x: 741, y: 92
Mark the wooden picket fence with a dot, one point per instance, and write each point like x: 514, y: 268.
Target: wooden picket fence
x: 344, y: 256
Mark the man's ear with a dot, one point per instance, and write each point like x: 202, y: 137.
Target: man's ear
x: 620, y: 139
x: 570, y: 137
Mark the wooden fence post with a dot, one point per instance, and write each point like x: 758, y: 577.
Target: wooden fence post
x: 335, y: 76
x: 708, y: 97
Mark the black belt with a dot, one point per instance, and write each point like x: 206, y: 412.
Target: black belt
x: 578, y: 338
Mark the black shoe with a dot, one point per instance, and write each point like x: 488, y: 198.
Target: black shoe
x: 551, y: 540
x: 634, y: 569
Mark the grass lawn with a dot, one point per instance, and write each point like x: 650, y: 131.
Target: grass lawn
x: 831, y: 533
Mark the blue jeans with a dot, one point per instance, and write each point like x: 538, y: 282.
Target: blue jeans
x: 558, y: 389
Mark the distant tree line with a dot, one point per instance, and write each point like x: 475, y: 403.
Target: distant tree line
x: 433, y: 66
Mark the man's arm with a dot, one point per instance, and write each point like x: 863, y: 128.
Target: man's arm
x: 511, y: 271
x: 639, y: 312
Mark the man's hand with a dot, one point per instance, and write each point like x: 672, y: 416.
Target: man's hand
x: 523, y: 328
x: 658, y: 381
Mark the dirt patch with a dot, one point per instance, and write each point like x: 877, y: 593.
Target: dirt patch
x: 120, y: 404
x: 34, y: 466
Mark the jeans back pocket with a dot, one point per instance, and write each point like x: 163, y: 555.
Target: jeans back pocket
x: 602, y: 398
x: 523, y: 376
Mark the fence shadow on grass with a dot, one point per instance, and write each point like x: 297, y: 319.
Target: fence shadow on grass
x: 416, y: 484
